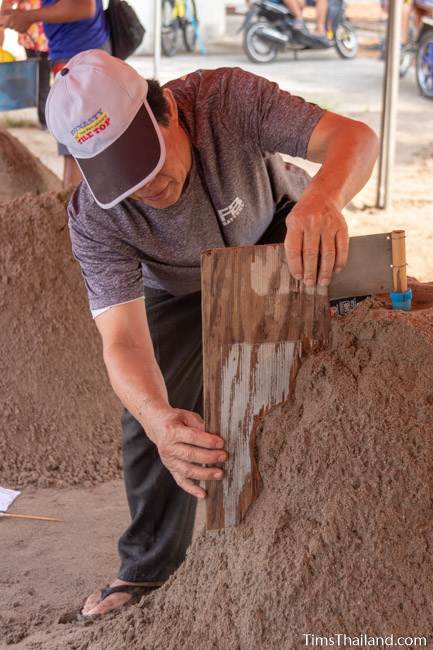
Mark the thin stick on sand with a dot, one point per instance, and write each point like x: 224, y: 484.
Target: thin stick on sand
x: 37, y: 517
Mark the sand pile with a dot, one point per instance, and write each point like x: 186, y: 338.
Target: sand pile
x: 59, y: 416
x: 21, y: 172
x: 341, y: 539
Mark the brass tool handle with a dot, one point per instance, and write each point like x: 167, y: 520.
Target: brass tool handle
x: 399, y: 265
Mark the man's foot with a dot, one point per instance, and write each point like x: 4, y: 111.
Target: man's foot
x: 322, y: 37
x: 97, y: 605
x: 298, y: 23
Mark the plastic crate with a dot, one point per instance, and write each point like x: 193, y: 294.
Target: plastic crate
x: 18, y: 84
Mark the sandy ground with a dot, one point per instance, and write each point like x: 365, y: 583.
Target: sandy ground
x: 47, y: 568
x: 51, y: 565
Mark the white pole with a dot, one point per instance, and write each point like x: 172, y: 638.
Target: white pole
x: 157, y: 39
x: 389, y: 107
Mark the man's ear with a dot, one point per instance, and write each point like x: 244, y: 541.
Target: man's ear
x: 172, y: 106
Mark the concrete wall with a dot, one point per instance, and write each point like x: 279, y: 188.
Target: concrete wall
x: 211, y: 15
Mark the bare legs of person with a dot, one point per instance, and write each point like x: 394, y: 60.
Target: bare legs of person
x: 296, y: 7
x: 71, y: 172
x: 420, y: 14
x: 406, y: 11
x: 321, y: 14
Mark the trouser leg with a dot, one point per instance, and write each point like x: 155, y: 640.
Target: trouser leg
x: 162, y: 514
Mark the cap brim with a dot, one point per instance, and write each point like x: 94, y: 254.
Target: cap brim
x: 128, y: 163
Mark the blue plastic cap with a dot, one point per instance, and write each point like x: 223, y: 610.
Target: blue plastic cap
x: 401, y: 299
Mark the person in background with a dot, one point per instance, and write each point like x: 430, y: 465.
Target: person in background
x: 71, y: 27
x: 296, y: 7
x: 321, y: 14
x: 35, y: 44
x: 405, y: 19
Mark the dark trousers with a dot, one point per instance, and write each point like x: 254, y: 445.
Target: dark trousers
x: 162, y: 514
x: 44, y: 81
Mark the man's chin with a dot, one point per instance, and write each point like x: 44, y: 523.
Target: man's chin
x: 160, y: 205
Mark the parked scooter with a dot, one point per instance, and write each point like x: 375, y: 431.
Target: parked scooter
x: 269, y: 27
x: 424, y: 58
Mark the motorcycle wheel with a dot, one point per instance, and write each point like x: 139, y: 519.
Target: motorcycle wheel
x: 169, y: 28
x: 257, y: 48
x: 424, y: 65
x: 346, y: 40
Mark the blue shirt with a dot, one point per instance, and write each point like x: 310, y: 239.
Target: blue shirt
x: 67, y: 39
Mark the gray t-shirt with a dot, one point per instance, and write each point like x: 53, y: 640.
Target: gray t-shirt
x: 236, y: 122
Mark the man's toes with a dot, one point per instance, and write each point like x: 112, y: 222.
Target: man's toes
x: 91, y: 602
x: 108, y: 604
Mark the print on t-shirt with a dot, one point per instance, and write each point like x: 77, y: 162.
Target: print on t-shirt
x: 231, y: 212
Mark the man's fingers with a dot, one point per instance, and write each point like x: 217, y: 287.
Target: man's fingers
x: 192, y: 419
x: 293, y: 249
x: 327, y: 259
x: 189, y: 486
x: 192, y: 436
x: 197, y: 472
x: 342, y: 253
x: 310, y: 256
x: 192, y: 454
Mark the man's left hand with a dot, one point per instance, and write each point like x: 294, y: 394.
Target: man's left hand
x: 316, y: 234
x: 17, y: 19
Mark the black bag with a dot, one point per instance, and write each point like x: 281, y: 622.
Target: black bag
x: 126, y: 31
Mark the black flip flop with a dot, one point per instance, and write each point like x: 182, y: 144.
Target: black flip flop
x: 136, y: 591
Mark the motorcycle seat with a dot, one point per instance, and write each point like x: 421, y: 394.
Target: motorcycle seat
x: 276, y: 7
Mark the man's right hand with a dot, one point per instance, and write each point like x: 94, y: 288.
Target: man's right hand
x: 183, y: 444
x: 184, y: 447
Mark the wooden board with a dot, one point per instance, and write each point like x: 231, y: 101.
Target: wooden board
x: 257, y: 323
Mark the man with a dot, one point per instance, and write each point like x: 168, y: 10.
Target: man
x: 71, y: 26
x: 170, y: 173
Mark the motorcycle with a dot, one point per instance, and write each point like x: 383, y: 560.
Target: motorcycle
x: 424, y: 58
x: 269, y: 27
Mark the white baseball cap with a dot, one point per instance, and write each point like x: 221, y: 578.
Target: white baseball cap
x: 97, y: 108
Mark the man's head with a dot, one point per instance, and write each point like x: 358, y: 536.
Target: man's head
x: 166, y: 187
x: 123, y: 131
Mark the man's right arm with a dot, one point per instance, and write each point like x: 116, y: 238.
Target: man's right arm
x: 183, y: 445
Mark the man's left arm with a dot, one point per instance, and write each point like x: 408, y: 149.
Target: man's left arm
x: 347, y: 150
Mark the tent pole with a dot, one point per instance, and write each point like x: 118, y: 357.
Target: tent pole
x: 389, y: 105
x: 157, y: 40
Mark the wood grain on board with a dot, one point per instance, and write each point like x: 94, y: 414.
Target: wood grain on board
x: 257, y: 323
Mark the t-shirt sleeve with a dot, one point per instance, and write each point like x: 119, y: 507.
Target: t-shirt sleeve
x: 259, y: 112
x: 111, y: 270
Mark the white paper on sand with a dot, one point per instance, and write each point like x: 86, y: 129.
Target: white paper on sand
x: 7, y: 497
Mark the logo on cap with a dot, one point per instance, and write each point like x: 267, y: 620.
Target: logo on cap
x: 95, y: 125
